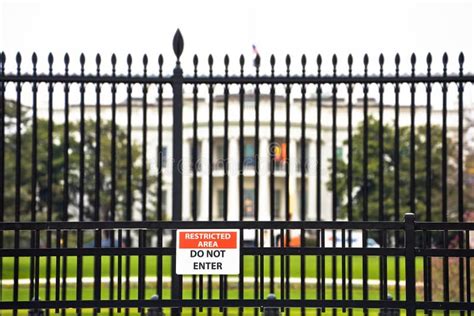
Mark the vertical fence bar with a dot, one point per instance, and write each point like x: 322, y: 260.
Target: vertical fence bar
x: 144, y: 185
x: 129, y: 191
x: 257, y: 180
x: 365, y: 206
x: 226, y: 164
x: 334, y: 179
x: 97, y: 258
x: 34, y: 172
x: 350, y: 171
x: 113, y: 180
x: 257, y: 259
x: 66, y: 182
x: 381, y: 197
x: 272, y: 149
x: 159, y: 210
x: 303, y: 182
x: 444, y: 181
x: 50, y: 178
x: 17, y: 182
x: 82, y: 90
x: 211, y: 167
x: 241, y: 177
x: 412, y: 137
x: 177, y: 82
x: 461, y: 175
x: 427, y: 260
x: 320, y: 281
x: 287, y: 181
x: 410, y: 267
x: 194, y: 210
x: 396, y: 161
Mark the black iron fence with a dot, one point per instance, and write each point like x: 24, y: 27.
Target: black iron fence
x: 83, y: 216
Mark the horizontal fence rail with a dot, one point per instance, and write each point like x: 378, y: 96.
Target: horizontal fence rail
x: 98, y: 171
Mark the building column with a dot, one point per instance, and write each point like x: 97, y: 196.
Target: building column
x: 294, y: 197
x: 233, y: 174
x: 185, y: 166
x: 311, y: 196
x: 205, y: 168
x: 264, y: 181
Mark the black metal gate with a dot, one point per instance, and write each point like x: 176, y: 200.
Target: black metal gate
x: 83, y: 226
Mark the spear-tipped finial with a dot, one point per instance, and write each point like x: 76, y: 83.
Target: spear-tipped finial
x: 195, y: 60
x: 445, y: 59
x: 82, y: 59
x: 178, y: 44
x: 461, y: 58
x: 366, y: 60
x: 242, y: 60
x: 98, y: 60
x: 413, y: 59
x: 18, y: 58
x: 350, y: 60
x: 257, y: 61
x: 114, y: 60
x: 226, y: 64
x: 272, y: 60
x: 129, y: 60
x: 50, y: 59
x: 381, y: 60
x: 429, y: 59
x: 226, y: 60
x: 210, y: 60
x: 397, y: 60
x: 319, y: 60
x: 66, y: 59
x: 145, y: 60
x: 160, y: 60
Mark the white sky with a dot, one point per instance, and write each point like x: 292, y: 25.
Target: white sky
x: 220, y: 27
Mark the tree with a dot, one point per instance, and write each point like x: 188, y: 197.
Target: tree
x: 58, y: 168
x: 421, y: 198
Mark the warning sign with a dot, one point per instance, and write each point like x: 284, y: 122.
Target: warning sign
x: 207, y: 251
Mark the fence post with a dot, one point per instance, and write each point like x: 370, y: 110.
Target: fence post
x: 155, y: 311
x: 271, y: 311
x: 177, y: 82
x: 410, y: 279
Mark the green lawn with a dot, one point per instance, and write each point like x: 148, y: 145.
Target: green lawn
x: 295, y: 272
x: 249, y: 262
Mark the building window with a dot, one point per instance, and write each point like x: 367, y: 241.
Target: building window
x: 219, y: 157
x: 162, y: 157
x: 249, y: 204
x: 277, y: 203
x: 220, y: 203
x: 249, y: 156
x: 280, y: 155
x: 339, y: 152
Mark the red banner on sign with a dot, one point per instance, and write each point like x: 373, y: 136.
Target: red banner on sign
x: 199, y: 239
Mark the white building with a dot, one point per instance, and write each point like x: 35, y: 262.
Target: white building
x: 264, y: 148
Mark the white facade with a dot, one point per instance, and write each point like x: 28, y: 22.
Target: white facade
x: 204, y: 202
